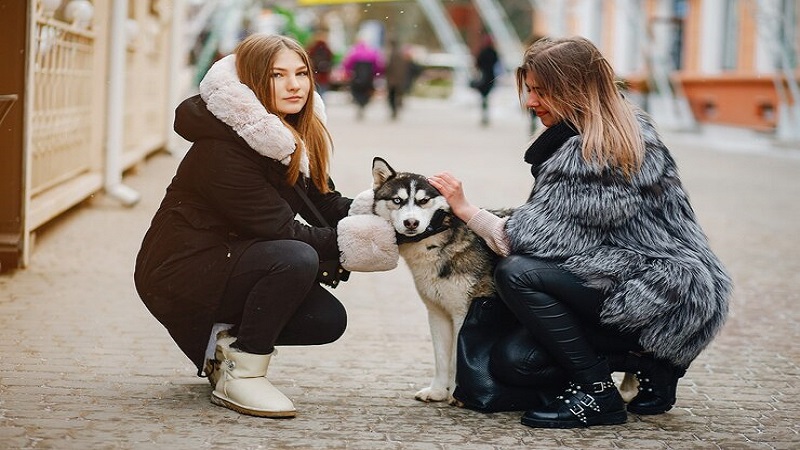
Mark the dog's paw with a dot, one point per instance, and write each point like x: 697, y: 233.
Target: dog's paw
x: 629, y: 387
x: 430, y: 394
x: 455, y: 402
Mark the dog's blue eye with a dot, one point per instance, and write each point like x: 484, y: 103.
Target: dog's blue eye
x: 397, y: 200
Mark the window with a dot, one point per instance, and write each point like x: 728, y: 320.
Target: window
x: 787, y: 33
x: 730, y: 35
x: 679, y: 10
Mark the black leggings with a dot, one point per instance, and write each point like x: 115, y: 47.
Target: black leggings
x: 273, y: 298
x: 559, y: 311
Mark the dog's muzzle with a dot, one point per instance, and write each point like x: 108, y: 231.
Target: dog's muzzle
x: 440, y: 221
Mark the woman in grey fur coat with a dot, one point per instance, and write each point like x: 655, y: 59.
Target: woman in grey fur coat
x: 606, y: 256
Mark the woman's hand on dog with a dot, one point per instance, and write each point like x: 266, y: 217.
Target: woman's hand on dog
x: 452, y: 190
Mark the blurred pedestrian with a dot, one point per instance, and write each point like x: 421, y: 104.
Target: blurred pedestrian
x: 486, y: 62
x: 362, y: 64
x: 607, y: 244
x: 225, y: 250
x: 398, y: 72
x: 321, y: 61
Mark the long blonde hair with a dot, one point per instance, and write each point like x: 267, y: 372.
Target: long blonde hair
x: 255, y: 58
x: 579, y: 86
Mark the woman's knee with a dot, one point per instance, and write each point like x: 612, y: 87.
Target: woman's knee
x: 514, y: 272
x: 299, y: 253
x: 297, y: 259
x: 506, y: 270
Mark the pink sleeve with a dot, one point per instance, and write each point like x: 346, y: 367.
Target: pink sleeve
x: 492, y: 229
x: 347, y: 64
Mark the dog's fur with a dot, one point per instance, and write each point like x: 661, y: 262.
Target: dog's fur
x: 450, y: 268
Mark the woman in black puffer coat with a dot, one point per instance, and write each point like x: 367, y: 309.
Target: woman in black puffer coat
x: 225, y: 246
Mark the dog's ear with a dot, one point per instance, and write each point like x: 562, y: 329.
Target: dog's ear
x: 381, y: 171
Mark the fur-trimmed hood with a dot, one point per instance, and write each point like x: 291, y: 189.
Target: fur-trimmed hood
x: 236, y: 105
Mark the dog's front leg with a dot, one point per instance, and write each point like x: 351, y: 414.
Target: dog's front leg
x: 442, y: 337
x: 456, y: 323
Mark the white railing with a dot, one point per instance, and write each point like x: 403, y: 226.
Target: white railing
x: 66, y: 154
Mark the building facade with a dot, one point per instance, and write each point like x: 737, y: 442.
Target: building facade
x: 724, y: 62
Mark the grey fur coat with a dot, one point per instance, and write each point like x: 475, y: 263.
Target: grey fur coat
x: 636, y: 239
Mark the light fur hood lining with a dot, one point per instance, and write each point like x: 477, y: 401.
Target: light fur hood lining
x: 235, y: 104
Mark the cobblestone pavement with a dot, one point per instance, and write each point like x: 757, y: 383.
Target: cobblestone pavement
x: 85, y: 366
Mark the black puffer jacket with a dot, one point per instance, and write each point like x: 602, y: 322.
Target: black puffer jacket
x: 225, y: 196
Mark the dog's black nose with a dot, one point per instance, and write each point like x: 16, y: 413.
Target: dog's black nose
x: 411, y: 224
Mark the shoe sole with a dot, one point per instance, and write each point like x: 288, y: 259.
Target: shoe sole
x: 616, y: 418
x: 219, y: 401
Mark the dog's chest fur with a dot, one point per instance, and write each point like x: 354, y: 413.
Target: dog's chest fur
x: 450, y: 268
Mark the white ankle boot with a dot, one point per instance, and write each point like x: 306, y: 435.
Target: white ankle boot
x: 242, y: 385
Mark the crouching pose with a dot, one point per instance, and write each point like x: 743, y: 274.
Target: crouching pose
x: 606, y: 245
x: 225, y: 246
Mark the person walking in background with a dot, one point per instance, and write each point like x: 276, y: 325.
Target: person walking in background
x: 398, y: 72
x: 225, y: 250
x: 486, y: 66
x: 607, y: 241
x: 362, y: 64
x: 321, y: 61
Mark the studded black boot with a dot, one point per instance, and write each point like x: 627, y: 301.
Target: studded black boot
x: 582, y: 404
x: 658, y: 385
x: 624, y: 362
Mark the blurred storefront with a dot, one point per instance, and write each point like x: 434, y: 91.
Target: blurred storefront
x: 731, y: 63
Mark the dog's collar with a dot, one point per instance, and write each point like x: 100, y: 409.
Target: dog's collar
x: 441, y: 221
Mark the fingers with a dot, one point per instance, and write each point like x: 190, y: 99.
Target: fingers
x: 437, y: 182
x: 444, y: 187
x: 444, y: 181
x: 445, y: 177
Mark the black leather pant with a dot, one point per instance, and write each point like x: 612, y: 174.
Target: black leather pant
x: 273, y: 298
x: 560, y: 320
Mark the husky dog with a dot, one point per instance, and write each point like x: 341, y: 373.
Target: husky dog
x: 450, y: 264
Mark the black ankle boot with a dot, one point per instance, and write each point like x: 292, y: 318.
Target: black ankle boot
x: 582, y: 404
x: 624, y: 362
x: 658, y: 384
